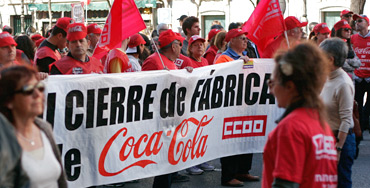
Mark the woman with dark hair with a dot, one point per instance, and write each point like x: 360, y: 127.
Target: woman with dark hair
x: 343, y: 31
x: 21, y: 101
x: 220, y: 43
x: 135, y: 49
x: 300, y: 151
x: 27, y: 46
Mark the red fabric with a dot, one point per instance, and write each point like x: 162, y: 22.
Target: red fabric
x: 342, y: 24
x: 47, y: 52
x: 123, y: 20
x: 68, y: 65
x: 301, y: 151
x: 154, y: 63
x: 216, y: 57
x: 63, y: 23
x: 273, y: 46
x: 213, y: 33
x: 356, y: 16
x: 362, y: 49
x: 93, y: 28
x: 292, y: 22
x: 265, y: 23
x: 196, y: 64
x: 182, y: 62
x: 321, y: 28
x: 211, y: 54
x: 76, y: 31
x: 6, y: 39
x: 344, y: 12
x: 234, y: 33
x: 135, y: 40
x: 166, y: 37
x: 115, y: 53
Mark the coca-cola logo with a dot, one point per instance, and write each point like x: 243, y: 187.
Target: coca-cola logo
x: 75, y: 29
x: 359, y: 50
x: 146, y: 146
x: 4, y: 35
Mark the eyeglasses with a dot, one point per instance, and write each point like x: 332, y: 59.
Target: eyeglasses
x: 359, y: 20
x: 347, y: 15
x: 270, y: 82
x: 30, y: 89
x: 347, y: 29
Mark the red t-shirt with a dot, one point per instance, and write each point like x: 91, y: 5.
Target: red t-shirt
x: 300, y: 150
x: 276, y: 44
x: 361, y: 46
x: 190, y: 62
x: 211, y: 54
x: 153, y: 62
x: 69, y: 65
x: 182, y: 62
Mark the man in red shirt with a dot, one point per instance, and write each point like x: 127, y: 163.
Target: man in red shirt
x: 47, y: 52
x: 294, y: 32
x: 94, y: 32
x: 361, y: 46
x: 7, y: 50
x: 77, y: 61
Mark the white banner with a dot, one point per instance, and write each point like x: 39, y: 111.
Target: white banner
x: 120, y: 127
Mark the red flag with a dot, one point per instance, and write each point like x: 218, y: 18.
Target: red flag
x: 88, y: 2
x: 265, y: 23
x: 124, y: 20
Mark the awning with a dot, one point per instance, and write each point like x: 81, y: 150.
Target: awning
x: 59, y: 7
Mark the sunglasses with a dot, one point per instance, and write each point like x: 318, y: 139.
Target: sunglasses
x: 359, y: 20
x: 243, y: 38
x: 347, y: 15
x: 30, y: 89
x: 346, y: 29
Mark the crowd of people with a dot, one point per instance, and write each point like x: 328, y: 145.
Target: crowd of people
x: 320, y: 81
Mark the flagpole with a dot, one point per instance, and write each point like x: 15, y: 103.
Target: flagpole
x: 287, y: 40
x: 86, y: 14
x: 156, y: 49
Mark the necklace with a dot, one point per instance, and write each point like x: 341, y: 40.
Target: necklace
x: 31, y: 141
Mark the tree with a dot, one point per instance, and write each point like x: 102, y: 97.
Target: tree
x: 357, y: 6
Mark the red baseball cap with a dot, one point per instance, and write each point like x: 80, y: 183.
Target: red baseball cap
x: 342, y: 24
x: 356, y: 16
x: 344, y: 12
x: 93, y: 28
x: 195, y: 38
x: 6, y: 39
x: 234, y: 33
x: 166, y: 37
x: 36, y: 37
x: 135, y: 40
x: 321, y: 28
x: 213, y: 33
x: 38, y: 42
x: 76, y: 31
x: 292, y: 22
x: 63, y: 23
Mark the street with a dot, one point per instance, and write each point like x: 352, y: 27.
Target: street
x: 360, y: 176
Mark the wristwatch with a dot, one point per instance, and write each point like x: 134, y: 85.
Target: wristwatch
x: 339, y: 149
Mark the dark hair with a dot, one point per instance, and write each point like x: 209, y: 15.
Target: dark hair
x: 56, y: 30
x: 11, y: 79
x: 336, y: 48
x: 216, y: 27
x: 8, y: 29
x: 338, y: 33
x: 26, y: 45
x: 188, y: 23
x: 309, y: 70
x: 219, y: 39
x: 234, y: 25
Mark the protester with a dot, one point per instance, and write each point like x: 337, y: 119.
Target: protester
x: 27, y: 46
x: 21, y: 101
x: 117, y: 60
x: 161, y: 28
x: 235, y: 169
x: 170, y: 47
x: 344, y: 15
x: 343, y: 31
x: 7, y: 50
x: 8, y: 29
x: 212, y: 50
x: 322, y: 32
x: 361, y: 44
x: 235, y: 25
x: 77, y: 61
x: 38, y: 42
x: 47, y: 52
x: 135, y: 48
x: 190, y: 28
x: 196, y: 50
x: 220, y: 43
x: 294, y: 33
x: 293, y: 155
x: 181, y: 20
x: 94, y: 32
x: 35, y: 37
x: 338, y: 96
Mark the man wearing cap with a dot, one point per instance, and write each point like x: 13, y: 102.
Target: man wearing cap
x: 7, y: 50
x: 181, y: 20
x: 195, y: 50
x: 94, y: 32
x: 190, y: 28
x: 294, y: 32
x: 361, y: 46
x: 235, y: 169
x: 322, y: 32
x: 47, y: 53
x: 212, y: 50
x: 344, y: 15
x: 77, y: 61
